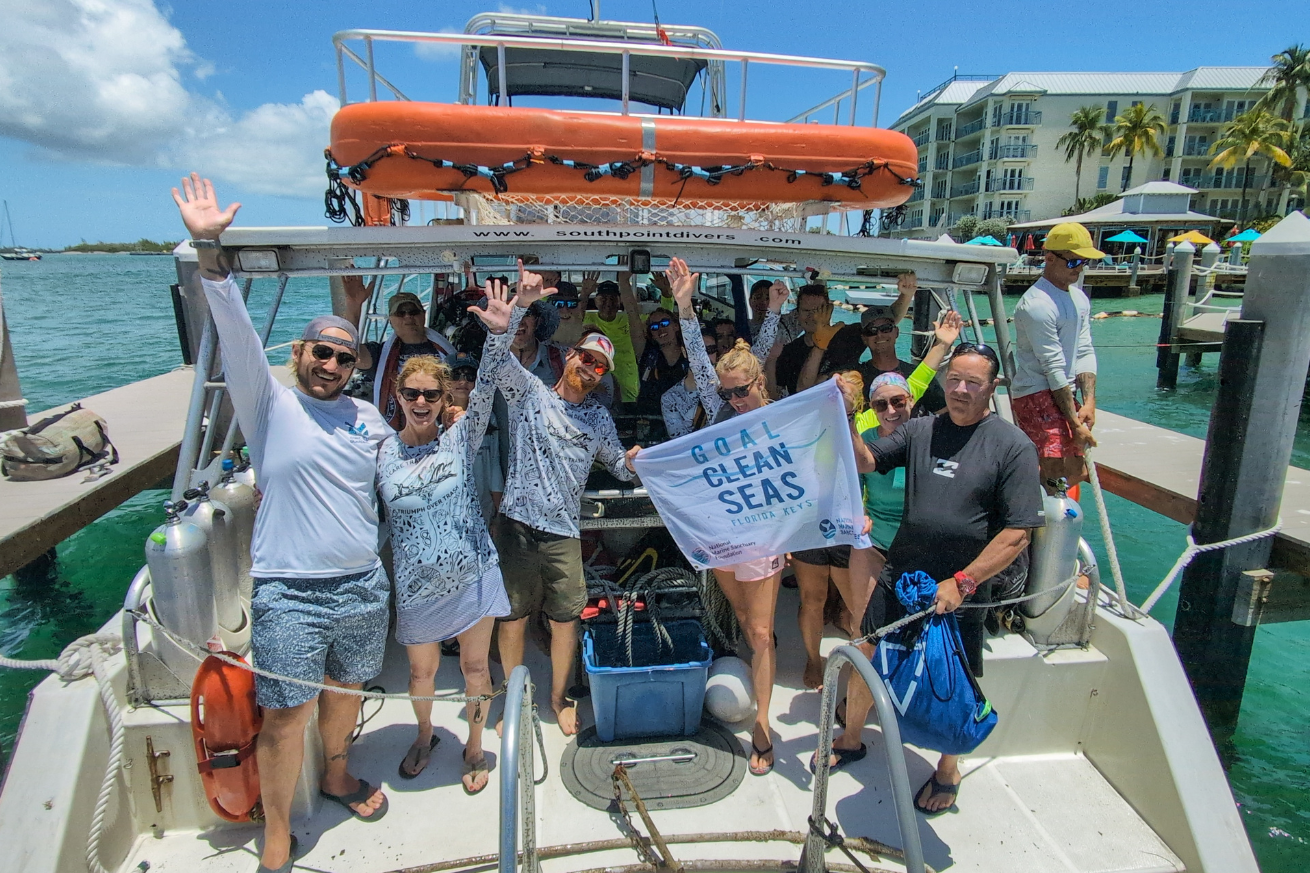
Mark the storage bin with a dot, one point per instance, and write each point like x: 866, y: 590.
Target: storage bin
x: 661, y: 694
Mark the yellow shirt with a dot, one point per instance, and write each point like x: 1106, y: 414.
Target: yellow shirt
x: 625, y: 357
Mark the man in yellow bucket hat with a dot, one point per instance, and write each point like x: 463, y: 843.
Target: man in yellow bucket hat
x: 1053, y: 393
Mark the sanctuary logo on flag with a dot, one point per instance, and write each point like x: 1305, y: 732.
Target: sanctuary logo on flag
x: 776, y: 480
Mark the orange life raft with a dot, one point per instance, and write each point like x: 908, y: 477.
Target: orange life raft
x: 408, y: 150
x: 225, y: 724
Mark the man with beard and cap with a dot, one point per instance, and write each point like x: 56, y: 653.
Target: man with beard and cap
x: 380, y: 362
x: 555, y: 434
x: 320, y: 607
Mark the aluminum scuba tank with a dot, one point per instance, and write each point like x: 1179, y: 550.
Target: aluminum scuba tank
x: 182, y: 583
x: 239, y: 498
x: 216, y: 520
x: 244, y: 472
x: 1054, y: 556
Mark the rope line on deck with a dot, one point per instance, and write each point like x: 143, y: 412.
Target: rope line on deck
x: 1193, y: 550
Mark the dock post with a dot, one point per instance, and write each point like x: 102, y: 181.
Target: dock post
x: 1261, y: 376
x: 13, y: 408
x: 1000, y: 321
x: 1134, y: 290
x: 1175, y: 304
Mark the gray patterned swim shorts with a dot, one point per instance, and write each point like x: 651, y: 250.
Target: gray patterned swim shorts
x: 311, y: 628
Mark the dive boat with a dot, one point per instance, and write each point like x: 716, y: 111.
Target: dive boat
x: 1101, y: 760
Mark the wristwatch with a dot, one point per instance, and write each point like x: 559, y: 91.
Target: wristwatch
x: 206, y: 244
x: 966, y: 583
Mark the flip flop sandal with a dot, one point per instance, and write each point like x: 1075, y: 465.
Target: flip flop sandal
x: 291, y: 859
x: 421, y: 757
x: 839, y: 715
x: 475, y: 767
x: 844, y: 757
x: 760, y: 753
x: 359, y: 795
x: 937, y: 788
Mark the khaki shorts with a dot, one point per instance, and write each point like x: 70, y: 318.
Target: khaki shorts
x: 541, y: 570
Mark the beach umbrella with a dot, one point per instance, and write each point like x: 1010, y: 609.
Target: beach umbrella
x: 1195, y: 237
x: 1028, y: 243
x: 984, y: 241
x: 1248, y: 235
x: 1126, y: 236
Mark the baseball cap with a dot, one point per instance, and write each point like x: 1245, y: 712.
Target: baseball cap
x: 607, y: 287
x: 314, y: 331
x: 874, y: 313
x: 460, y: 360
x: 402, y: 297
x: 598, y: 344
x: 1071, y: 237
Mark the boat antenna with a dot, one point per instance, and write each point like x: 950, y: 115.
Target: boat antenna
x: 660, y: 31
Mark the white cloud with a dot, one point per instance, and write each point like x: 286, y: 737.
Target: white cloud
x: 438, y: 51
x: 103, y: 81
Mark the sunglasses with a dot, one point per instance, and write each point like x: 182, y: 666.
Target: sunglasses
x: 977, y: 349
x: 1073, y: 263
x: 431, y: 395
x: 464, y: 374
x: 897, y: 403
x: 875, y: 329
x: 566, y: 304
x: 656, y: 325
x: 741, y: 392
x: 323, y: 353
x: 590, y: 360
x: 408, y: 311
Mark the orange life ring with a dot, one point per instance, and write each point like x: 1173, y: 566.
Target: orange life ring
x: 225, y: 724
x: 397, y: 149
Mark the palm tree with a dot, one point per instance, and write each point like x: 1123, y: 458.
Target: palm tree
x: 1257, y: 132
x: 1287, y: 79
x: 1136, y: 131
x: 1083, y: 139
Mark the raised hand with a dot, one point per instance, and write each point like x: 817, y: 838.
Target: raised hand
x: 947, y: 329
x: 907, y: 284
x: 531, y: 288
x: 661, y: 281
x: 496, y: 316
x: 683, y: 283
x: 199, y: 208
x: 778, y: 294
x: 590, y: 280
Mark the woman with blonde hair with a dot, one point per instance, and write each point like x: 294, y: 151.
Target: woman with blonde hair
x: 447, y: 574
x: 733, y: 386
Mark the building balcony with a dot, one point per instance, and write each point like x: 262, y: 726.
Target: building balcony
x: 1011, y: 215
x: 965, y: 160
x: 1009, y: 184
x: 971, y: 128
x: 916, y: 197
x: 1196, y: 150
x: 1218, y: 181
x: 923, y: 165
x: 943, y: 161
x: 944, y: 135
x: 912, y: 222
x: 1021, y: 118
x: 998, y: 152
x: 1208, y: 116
x: 966, y: 190
x: 921, y: 139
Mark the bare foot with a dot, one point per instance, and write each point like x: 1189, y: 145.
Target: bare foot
x: 566, y: 716
x: 814, y: 673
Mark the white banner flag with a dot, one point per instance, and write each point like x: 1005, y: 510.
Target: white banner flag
x: 779, y: 479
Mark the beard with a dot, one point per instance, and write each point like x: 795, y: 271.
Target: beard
x: 573, y: 378
x: 305, y: 379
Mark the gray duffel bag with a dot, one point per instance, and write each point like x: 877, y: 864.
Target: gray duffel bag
x: 57, y: 445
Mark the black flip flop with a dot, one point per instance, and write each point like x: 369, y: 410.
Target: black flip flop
x: 359, y: 795
x: 760, y: 753
x: 844, y: 757
x: 937, y: 788
x: 291, y: 860
x: 404, y: 774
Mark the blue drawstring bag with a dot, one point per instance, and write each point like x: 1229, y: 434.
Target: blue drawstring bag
x: 927, y: 674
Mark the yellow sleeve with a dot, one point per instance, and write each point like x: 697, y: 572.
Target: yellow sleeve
x: 920, y: 379
x: 866, y: 420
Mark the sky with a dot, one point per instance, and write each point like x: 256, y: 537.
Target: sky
x: 104, y: 103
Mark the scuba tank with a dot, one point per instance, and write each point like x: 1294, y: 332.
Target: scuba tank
x: 239, y: 498
x: 1054, y: 562
x: 243, y: 472
x: 182, y: 582
x: 216, y: 520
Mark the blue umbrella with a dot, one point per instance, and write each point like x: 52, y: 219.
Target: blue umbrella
x: 1126, y: 236
x: 1248, y: 235
x: 985, y: 241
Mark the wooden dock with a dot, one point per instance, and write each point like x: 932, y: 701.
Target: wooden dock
x: 145, y: 421
x: 1096, y: 281
x: 1206, y: 327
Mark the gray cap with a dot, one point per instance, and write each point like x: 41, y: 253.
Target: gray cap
x: 875, y: 313
x: 314, y: 331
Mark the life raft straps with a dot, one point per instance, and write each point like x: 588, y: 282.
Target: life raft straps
x: 229, y: 760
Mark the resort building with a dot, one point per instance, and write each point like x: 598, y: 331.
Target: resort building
x: 987, y: 144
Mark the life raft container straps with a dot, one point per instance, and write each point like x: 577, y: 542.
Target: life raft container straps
x: 228, y: 760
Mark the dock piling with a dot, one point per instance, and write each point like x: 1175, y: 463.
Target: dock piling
x: 1262, y: 370
x: 1175, y: 304
x: 1134, y: 290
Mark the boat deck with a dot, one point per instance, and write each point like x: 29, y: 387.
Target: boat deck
x: 1039, y: 812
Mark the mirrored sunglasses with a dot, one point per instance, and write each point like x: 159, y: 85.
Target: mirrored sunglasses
x: 408, y: 311
x: 656, y: 325
x: 566, y: 304
x: 595, y: 363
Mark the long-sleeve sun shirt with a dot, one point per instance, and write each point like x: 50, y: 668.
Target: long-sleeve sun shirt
x: 707, y: 380
x: 1052, y: 339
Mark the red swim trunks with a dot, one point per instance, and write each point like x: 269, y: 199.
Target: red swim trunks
x: 1039, y: 417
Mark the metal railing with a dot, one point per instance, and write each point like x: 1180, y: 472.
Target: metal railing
x: 1020, y: 118
x: 971, y: 128
x: 944, y: 134
x: 1196, y: 149
x: 1007, y: 183
x: 921, y: 139
x: 1010, y: 215
x: 1016, y: 150
x: 1228, y: 180
x: 1208, y: 116
x: 916, y: 196
x: 812, y: 861
x: 923, y: 165
x: 943, y: 161
x: 966, y: 189
x: 835, y: 101
x: 968, y: 158
x: 913, y: 221
x: 518, y: 796
x: 627, y: 50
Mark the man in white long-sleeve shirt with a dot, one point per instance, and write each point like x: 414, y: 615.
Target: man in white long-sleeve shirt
x: 1054, y: 358
x: 320, y: 606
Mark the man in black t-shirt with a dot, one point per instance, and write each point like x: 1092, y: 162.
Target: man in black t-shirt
x: 972, y: 497
x: 879, y: 329
x: 823, y: 349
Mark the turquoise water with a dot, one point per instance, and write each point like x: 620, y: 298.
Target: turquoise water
x: 82, y: 324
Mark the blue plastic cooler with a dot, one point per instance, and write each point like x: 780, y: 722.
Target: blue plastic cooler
x: 661, y: 694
